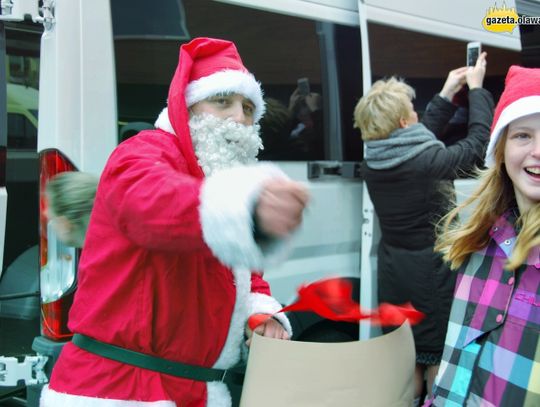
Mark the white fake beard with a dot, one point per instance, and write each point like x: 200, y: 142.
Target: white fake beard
x: 221, y: 144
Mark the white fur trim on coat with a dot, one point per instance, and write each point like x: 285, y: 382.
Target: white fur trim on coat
x: 264, y: 304
x: 228, y: 199
x: 163, y: 122
x: 227, y: 81
x: 218, y: 395
x: 520, y: 108
x: 51, y: 398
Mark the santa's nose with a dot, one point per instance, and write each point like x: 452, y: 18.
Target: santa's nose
x: 238, y: 114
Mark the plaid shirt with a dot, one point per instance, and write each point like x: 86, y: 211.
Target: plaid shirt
x: 492, y: 349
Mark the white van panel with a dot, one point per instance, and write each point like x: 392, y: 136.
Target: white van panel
x: 3, y: 212
x: 77, y: 109
x: 464, y: 189
x: 336, y: 11
x: 459, y: 19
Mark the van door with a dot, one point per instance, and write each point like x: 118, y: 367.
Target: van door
x: 3, y: 145
x: 422, y: 41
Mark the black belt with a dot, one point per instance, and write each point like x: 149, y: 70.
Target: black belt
x: 130, y: 357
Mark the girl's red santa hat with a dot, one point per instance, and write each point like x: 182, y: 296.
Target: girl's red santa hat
x: 521, y: 97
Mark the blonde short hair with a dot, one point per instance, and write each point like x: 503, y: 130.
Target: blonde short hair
x: 71, y: 194
x: 378, y: 112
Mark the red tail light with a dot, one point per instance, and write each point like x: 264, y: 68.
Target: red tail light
x: 54, y: 313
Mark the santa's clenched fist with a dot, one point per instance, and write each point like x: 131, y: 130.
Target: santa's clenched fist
x: 280, y: 207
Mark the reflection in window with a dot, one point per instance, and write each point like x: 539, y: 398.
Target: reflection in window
x: 22, y: 134
x: 293, y: 132
x: 144, y: 69
x: 23, y: 70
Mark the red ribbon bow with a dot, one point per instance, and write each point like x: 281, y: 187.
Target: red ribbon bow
x: 332, y: 299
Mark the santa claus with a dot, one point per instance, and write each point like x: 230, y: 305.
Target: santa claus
x: 184, y: 220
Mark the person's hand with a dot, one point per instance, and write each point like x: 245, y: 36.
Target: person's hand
x: 476, y: 73
x: 271, y: 328
x: 294, y: 99
x: 454, y: 82
x: 314, y: 102
x: 280, y: 207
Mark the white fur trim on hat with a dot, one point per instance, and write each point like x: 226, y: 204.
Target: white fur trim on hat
x: 227, y: 81
x: 520, y: 108
x: 228, y: 198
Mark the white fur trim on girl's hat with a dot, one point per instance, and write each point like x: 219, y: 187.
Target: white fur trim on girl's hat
x: 521, y: 97
x: 227, y: 81
x: 520, y: 108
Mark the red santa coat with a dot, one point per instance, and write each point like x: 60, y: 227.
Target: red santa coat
x: 164, y: 271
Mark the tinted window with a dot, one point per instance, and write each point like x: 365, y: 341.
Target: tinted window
x: 22, y: 134
x: 134, y: 19
x: 278, y: 49
x: 22, y: 77
x: 424, y: 60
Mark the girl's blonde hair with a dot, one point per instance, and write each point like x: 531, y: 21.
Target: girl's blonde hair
x: 495, y: 194
x: 378, y: 112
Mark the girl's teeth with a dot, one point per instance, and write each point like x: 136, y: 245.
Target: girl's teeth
x: 533, y: 170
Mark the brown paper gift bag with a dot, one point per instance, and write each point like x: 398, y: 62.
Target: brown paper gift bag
x: 377, y: 372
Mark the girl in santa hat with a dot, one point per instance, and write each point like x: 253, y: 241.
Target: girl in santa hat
x: 492, y: 350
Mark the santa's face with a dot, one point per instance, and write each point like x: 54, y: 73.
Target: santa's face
x: 223, y: 143
x: 227, y: 106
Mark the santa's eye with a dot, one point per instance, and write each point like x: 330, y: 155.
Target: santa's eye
x: 220, y: 100
x: 249, y: 109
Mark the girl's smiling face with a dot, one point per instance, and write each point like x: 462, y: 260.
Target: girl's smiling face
x: 522, y: 159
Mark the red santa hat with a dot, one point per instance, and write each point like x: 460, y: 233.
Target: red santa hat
x: 209, y: 66
x: 521, y: 97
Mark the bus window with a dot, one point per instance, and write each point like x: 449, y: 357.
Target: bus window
x: 22, y: 133
x: 349, y: 65
x: 22, y: 73
x: 425, y: 60
x: 291, y: 130
x: 19, y: 318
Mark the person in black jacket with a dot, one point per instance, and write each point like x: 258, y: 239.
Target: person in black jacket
x: 408, y: 172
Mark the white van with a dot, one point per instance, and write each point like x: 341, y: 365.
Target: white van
x: 108, y: 62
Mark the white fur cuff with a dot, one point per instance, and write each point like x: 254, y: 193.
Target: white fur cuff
x: 218, y: 395
x: 264, y: 304
x: 228, y: 199
x: 51, y: 398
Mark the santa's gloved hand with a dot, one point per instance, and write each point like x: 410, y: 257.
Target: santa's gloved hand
x: 280, y: 207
